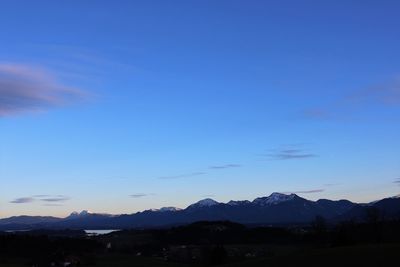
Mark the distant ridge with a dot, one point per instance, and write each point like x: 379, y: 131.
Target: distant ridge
x: 277, y: 208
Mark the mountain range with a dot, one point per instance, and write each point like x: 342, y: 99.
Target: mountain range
x: 276, y: 209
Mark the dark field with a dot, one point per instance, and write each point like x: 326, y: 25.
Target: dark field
x: 209, y: 244
x: 363, y: 255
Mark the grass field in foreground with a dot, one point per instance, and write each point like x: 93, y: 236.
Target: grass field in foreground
x: 365, y: 255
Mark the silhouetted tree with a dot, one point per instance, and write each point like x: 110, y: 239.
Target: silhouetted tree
x: 374, y: 219
x: 319, y: 225
x: 373, y: 215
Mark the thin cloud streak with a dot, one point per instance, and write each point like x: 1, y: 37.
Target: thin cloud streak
x: 139, y: 195
x: 41, y: 198
x: 387, y: 94
x: 213, y: 167
x: 24, y: 88
x: 290, y: 154
x: 23, y: 200
x: 226, y: 166
x: 285, y: 156
x: 55, y: 199
x: 383, y: 95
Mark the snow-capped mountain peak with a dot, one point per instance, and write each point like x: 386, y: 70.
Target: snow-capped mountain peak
x: 279, y: 197
x: 208, y: 202
x: 163, y: 209
x: 79, y: 214
x: 169, y: 209
x: 273, y: 199
x: 86, y: 213
x: 238, y: 202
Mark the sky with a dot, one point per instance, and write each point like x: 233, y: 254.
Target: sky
x: 120, y: 106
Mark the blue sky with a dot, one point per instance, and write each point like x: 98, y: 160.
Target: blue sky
x: 127, y: 105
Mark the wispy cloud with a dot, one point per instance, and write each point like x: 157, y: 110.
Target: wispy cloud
x: 397, y: 181
x: 139, y: 195
x: 41, y: 198
x: 23, y: 200
x: 383, y: 95
x: 187, y: 175
x: 198, y: 173
x: 288, y: 153
x: 55, y: 199
x: 225, y: 166
x: 84, y: 61
x: 24, y: 88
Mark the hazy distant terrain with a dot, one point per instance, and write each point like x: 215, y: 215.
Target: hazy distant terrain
x: 276, y: 209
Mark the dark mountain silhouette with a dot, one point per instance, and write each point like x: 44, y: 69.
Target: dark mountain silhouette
x: 389, y: 207
x: 385, y: 209
x: 272, y: 210
x: 28, y: 219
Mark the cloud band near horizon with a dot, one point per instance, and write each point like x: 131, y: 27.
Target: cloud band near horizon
x: 41, y: 198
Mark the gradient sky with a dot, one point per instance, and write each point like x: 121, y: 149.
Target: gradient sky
x: 120, y: 106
